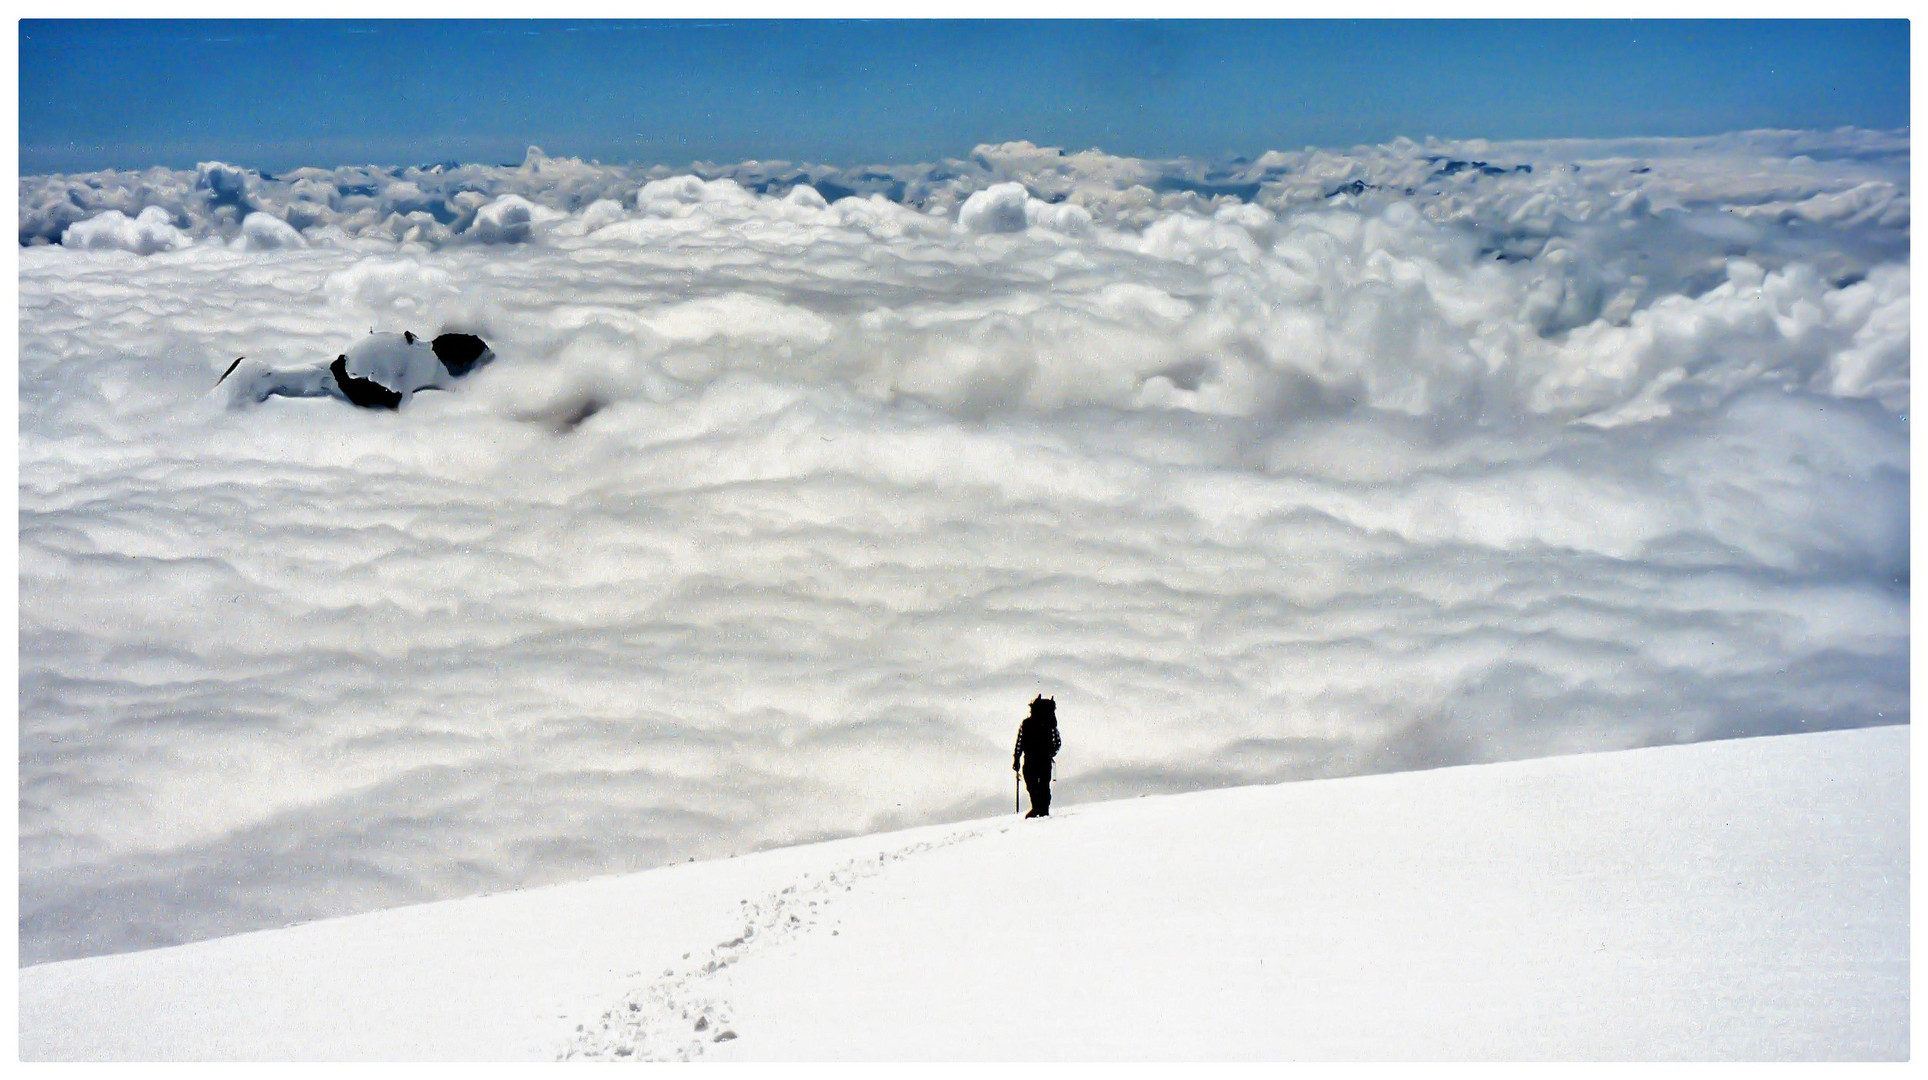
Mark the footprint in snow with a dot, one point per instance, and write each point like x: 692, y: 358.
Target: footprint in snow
x: 676, y: 1017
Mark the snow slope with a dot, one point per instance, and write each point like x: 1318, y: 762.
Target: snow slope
x: 1745, y: 899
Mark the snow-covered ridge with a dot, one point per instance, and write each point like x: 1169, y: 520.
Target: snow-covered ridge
x: 1740, y: 900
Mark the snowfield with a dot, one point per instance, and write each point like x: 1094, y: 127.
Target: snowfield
x: 1734, y: 900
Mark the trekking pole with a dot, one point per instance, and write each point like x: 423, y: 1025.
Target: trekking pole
x: 1016, y: 786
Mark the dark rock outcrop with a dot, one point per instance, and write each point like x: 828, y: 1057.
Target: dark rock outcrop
x: 458, y: 352
x: 367, y: 393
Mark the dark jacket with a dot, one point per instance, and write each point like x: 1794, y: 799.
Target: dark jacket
x: 1038, y: 742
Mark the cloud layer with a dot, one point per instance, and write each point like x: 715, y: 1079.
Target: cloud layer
x: 791, y: 485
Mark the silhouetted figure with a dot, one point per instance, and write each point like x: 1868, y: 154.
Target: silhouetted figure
x: 1038, y: 743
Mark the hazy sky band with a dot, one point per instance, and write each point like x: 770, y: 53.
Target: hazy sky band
x: 276, y: 94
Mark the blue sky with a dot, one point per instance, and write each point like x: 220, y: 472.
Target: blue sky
x: 273, y: 95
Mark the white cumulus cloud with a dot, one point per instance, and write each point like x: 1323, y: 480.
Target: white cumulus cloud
x: 791, y: 484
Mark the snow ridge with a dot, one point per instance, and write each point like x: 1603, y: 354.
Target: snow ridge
x: 679, y: 1015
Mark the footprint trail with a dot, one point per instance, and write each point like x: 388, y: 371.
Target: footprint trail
x: 681, y: 1014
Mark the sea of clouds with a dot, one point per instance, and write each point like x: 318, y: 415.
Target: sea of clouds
x: 791, y: 485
